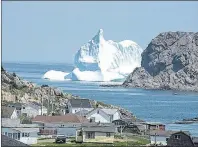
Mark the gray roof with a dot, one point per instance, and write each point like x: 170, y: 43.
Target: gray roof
x: 6, y: 141
x: 93, y: 124
x: 6, y: 112
x: 161, y: 133
x: 83, y: 112
x: 109, y: 111
x: 16, y: 104
x: 99, y: 128
x: 80, y: 103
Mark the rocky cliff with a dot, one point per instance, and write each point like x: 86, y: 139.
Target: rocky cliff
x: 169, y: 62
x: 15, y: 89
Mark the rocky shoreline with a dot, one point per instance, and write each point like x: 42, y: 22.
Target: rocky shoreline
x: 168, y: 63
x: 15, y: 89
x: 188, y: 121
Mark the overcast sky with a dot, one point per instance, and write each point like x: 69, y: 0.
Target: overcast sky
x: 51, y: 31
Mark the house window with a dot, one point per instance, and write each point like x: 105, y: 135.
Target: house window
x: 10, y: 135
x: 108, y: 134
x: 90, y: 135
x: 6, y: 133
x: 23, y: 134
x: 15, y: 135
x: 19, y: 136
x: 23, y: 107
x: 177, y: 136
x: 26, y: 134
x: 62, y: 125
x: 111, y: 118
x: 80, y: 133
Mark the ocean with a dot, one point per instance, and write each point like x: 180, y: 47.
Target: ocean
x: 149, y: 105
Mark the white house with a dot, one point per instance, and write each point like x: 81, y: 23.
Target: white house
x: 103, y: 115
x: 160, y: 137
x: 33, y: 109
x: 26, y: 133
x: 76, y: 105
x: 53, y: 125
x: 8, y: 112
x: 30, y: 109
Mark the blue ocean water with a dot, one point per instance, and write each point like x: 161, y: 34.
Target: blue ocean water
x: 149, y: 105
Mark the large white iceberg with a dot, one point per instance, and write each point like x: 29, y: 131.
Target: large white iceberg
x: 101, y: 60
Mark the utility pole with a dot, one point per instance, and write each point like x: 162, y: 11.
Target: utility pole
x: 52, y: 105
x: 48, y: 106
x: 41, y: 104
x: 121, y: 130
x: 155, y: 139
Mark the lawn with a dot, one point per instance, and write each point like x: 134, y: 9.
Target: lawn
x: 118, y: 141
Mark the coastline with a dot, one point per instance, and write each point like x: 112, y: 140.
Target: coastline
x: 19, y: 90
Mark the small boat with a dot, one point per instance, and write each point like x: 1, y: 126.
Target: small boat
x: 175, y: 93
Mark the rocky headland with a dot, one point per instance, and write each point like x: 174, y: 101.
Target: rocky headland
x: 170, y: 62
x: 15, y: 89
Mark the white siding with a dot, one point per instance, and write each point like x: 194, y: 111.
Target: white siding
x: 68, y: 129
x: 159, y: 140
x: 101, y: 117
x: 14, y: 115
x: 44, y: 111
x: 32, y: 139
x: 29, y: 111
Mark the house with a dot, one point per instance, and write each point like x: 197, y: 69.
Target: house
x: 154, y: 126
x: 33, y: 109
x: 103, y: 115
x: 18, y: 107
x: 82, y: 113
x: 8, y: 112
x: 181, y: 139
x: 62, y: 110
x: 53, y: 125
x: 159, y: 137
x: 30, y: 109
x: 75, y: 105
x: 95, y: 133
x: 26, y: 133
x: 130, y: 125
x: 6, y: 141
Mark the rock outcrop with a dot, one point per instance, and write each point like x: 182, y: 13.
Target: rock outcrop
x: 169, y: 62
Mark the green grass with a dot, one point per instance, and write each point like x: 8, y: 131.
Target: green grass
x: 137, y: 141
x: 71, y: 144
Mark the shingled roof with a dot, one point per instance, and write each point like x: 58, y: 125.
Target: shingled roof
x: 68, y: 118
x: 6, y: 112
x: 6, y: 141
x: 80, y: 103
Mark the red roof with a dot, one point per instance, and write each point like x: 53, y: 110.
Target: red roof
x: 68, y: 118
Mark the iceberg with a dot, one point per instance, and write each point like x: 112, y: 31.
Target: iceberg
x: 55, y: 75
x: 101, y: 60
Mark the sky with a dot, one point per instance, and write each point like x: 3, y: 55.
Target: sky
x: 52, y: 32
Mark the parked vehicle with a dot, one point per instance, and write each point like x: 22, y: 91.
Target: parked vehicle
x: 60, y: 139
